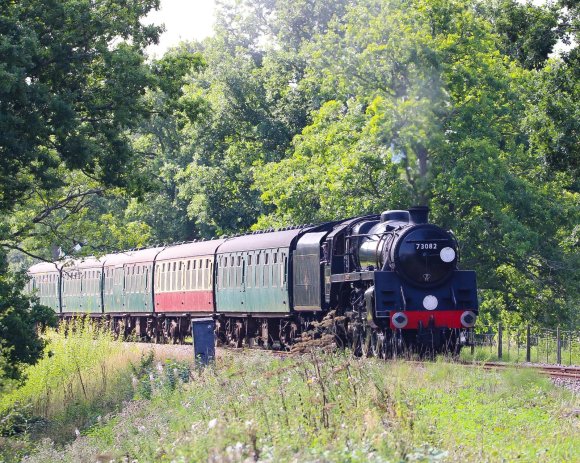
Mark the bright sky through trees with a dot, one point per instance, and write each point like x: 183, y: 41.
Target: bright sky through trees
x: 183, y: 20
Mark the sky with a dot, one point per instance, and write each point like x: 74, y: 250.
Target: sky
x: 184, y: 20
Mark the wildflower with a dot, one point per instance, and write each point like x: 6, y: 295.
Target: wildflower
x: 212, y: 424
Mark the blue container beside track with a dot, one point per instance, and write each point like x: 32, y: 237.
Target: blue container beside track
x: 203, y: 333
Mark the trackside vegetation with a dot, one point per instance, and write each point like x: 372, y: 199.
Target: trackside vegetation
x: 122, y: 405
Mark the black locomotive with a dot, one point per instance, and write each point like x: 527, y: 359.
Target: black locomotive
x: 396, y: 277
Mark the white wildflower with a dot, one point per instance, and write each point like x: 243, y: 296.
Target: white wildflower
x: 212, y: 424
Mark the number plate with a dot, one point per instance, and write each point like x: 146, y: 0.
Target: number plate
x: 421, y: 246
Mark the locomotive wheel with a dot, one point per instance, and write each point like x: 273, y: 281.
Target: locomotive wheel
x: 376, y: 344
x: 398, y: 345
x: 370, y: 343
x: 358, y: 341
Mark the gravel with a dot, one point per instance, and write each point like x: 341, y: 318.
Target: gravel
x: 568, y: 383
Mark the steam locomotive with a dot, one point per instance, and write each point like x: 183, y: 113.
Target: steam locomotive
x: 385, y: 282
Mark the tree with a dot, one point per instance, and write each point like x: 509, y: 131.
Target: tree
x: 255, y: 106
x: 72, y: 75
x: 19, y: 342
x: 72, y: 83
x: 527, y: 32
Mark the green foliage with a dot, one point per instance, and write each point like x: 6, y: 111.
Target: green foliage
x: 72, y: 83
x: 82, y: 376
x: 298, y: 112
x: 72, y: 78
x: 527, y: 33
x: 19, y: 317
x: 336, y: 408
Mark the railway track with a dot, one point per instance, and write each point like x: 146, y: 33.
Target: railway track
x: 554, y: 371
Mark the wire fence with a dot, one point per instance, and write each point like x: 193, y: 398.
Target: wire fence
x: 524, y: 344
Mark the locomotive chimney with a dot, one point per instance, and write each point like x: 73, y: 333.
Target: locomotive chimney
x: 419, y: 214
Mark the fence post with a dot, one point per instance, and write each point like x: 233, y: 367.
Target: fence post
x: 558, y: 346
x: 528, y: 345
x: 499, y: 341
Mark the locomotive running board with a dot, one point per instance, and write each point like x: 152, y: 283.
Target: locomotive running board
x: 354, y: 276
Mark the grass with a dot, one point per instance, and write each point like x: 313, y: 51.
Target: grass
x: 330, y: 407
x: 82, y: 377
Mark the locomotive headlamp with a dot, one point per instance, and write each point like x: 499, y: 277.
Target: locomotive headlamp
x: 399, y: 320
x: 468, y: 319
x: 430, y: 302
x: 447, y: 254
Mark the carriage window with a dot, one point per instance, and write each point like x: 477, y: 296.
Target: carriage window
x: 266, y: 259
x: 275, y: 257
x: 200, y: 277
x: 207, y: 263
x: 188, y: 265
x: 258, y: 258
x: 250, y: 259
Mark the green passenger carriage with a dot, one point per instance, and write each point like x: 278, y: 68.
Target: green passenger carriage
x: 253, y: 273
x: 45, y: 283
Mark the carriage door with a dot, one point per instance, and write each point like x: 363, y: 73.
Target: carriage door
x: 241, y: 278
x: 118, y: 289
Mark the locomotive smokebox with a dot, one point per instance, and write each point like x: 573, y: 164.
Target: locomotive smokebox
x: 419, y: 214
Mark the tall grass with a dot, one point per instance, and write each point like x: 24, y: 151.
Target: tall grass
x: 332, y: 407
x: 318, y: 407
x: 84, y: 374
